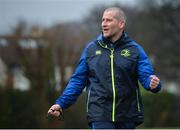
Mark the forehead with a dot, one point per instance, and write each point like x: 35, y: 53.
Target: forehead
x: 109, y: 14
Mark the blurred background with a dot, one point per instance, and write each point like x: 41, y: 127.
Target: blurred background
x: 40, y: 45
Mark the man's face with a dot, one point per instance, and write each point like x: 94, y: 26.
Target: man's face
x: 110, y: 25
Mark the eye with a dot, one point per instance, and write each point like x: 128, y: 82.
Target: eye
x: 109, y: 20
x: 104, y: 19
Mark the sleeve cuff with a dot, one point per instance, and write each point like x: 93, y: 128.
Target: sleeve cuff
x: 60, y: 104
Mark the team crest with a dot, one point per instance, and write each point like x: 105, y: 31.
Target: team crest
x: 125, y: 53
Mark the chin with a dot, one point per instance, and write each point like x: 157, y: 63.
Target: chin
x: 106, y: 36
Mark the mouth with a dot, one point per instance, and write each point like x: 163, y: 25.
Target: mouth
x: 105, y: 30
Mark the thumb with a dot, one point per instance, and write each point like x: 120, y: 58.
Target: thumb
x: 56, y: 107
x: 151, y: 76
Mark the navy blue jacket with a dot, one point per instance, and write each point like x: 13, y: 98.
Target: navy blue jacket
x: 110, y: 72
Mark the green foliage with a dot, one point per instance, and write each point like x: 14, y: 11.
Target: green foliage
x: 161, y: 110
x: 17, y: 110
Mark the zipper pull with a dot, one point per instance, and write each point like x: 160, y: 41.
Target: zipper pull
x: 112, y: 53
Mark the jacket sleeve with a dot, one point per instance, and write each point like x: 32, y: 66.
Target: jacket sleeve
x: 145, y: 70
x: 76, y: 84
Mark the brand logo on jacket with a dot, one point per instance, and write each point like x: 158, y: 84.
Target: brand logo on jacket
x: 125, y: 53
x: 98, y: 52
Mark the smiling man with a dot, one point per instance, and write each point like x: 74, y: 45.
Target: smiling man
x: 110, y: 68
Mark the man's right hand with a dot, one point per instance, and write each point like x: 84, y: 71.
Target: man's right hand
x: 55, y: 110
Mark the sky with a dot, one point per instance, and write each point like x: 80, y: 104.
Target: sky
x: 47, y: 12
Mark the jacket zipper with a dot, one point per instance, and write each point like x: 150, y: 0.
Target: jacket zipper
x: 112, y: 79
x: 113, y: 86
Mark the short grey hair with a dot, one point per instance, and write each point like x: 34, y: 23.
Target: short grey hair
x: 120, y: 15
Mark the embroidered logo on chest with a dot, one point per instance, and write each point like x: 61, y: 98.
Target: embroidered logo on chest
x: 125, y: 53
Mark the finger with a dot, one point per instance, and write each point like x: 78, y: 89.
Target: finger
x: 55, y: 110
x: 58, y: 108
x: 154, y: 85
x: 154, y: 82
x: 156, y: 79
x: 57, y: 113
x: 151, y: 77
x: 51, y: 110
x: 55, y: 107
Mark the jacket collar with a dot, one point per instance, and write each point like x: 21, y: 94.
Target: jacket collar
x: 122, y: 40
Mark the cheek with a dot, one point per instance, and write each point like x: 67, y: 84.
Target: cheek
x: 114, y: 27
x: 102, y: 24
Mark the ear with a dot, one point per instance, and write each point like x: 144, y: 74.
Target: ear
x: 121, y: 24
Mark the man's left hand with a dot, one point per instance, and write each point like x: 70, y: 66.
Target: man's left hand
x: 154, y: 81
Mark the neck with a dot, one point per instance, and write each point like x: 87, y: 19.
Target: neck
x: 116, y: 37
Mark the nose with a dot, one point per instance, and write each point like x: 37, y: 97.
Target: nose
x: 104, y: 24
